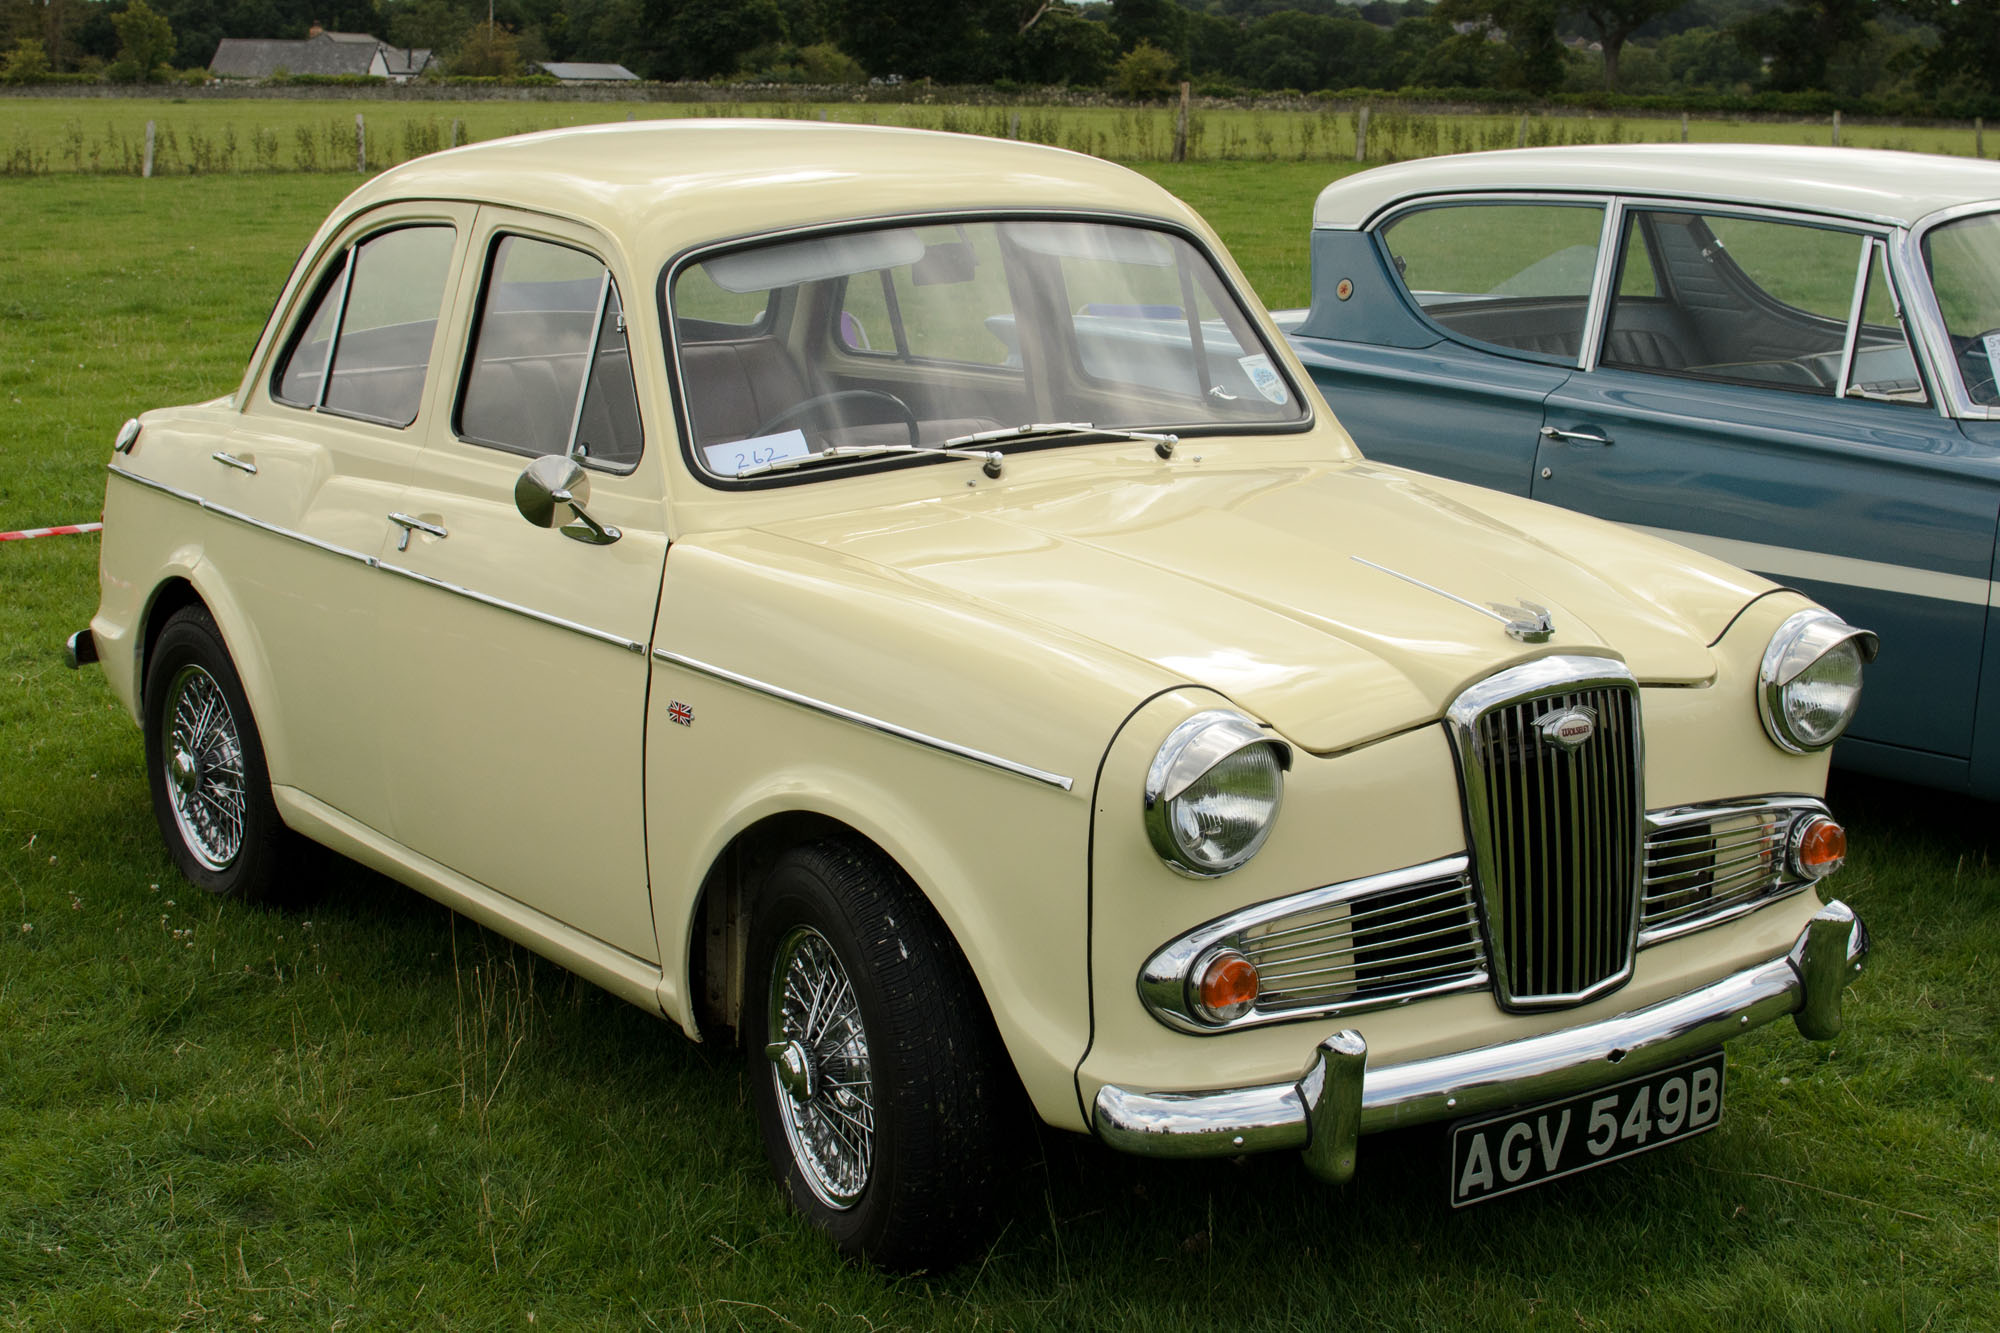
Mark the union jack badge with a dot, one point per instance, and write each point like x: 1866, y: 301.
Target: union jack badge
x: 681, y: 713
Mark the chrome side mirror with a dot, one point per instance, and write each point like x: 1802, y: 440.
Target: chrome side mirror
x: 555, y: 486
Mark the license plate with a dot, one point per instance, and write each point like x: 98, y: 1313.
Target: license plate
x: 1503, y: 1153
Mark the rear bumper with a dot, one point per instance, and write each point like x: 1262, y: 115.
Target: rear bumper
x: 1339, y: 1097
x: 80, y: 649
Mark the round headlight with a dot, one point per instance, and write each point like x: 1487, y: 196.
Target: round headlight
x: 1212, y: 792
x: 1810, y: 683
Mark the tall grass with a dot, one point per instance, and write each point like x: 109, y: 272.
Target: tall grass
x: 201, y: 138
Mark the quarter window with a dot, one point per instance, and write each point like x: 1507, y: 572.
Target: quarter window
x: 366, y: 347
x: 549, y: 371
x: 1516, y: 275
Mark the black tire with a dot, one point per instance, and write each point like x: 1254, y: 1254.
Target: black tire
x: 927, y: 1089
x: 205, y: 763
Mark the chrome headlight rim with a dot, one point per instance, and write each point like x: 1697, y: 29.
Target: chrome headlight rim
x: 1190, y: 752
x: 1804, y: 639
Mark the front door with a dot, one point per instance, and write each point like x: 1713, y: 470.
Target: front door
x: 517, y: 733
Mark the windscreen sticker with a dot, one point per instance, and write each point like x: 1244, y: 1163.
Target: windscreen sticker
x: 1992, y: 341
x: 730, y: 459
x: 1265, y: 378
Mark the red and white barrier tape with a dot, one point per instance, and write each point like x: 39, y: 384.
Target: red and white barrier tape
x: 66, y: 530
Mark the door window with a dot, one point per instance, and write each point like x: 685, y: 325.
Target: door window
x: 1964, y: 262
x: 1516, y: 275
x: 1759, y: 301
x: 365, y: 348
x: 550, y: 372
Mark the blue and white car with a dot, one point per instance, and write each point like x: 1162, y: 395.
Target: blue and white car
x: 1781, y: 356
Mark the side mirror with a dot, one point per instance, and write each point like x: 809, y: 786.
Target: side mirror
x: 555, y: 487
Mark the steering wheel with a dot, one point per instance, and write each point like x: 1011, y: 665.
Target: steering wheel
x: 1982, y: 377
x: 807, y: 408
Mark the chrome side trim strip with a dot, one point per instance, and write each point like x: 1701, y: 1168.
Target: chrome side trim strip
x: 1056, y: 780
x: 500, y: 604
x: 1340, y: 1096
x: 602, y: 636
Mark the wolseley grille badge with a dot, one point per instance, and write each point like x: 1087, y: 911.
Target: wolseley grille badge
x: 1571, y: 729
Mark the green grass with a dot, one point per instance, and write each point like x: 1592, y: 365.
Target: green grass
x: 357, y: 1111
x: 204, y: 136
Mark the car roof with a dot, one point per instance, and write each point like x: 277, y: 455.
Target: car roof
x: 1871, y: 184
x: 662, y: 186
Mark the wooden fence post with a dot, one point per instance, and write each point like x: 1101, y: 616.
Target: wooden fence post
x: 1014, y: 123
x: 1836, y: 129
x: 1361, y: 136
x: 1180, y: 126
x: 1521, y: 135
x: 1684, y: 127
x: 1979, y: 136
x: 360, y: 144
x: 146, y: 169
x: 454, y: 134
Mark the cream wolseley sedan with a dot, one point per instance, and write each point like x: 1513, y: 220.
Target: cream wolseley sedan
x: 892, y: 601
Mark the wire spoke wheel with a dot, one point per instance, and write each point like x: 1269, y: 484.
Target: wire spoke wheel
x: 820, y: 1066
x: 202, y: 753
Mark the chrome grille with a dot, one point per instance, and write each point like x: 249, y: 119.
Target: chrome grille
x: 1705, y: 864
x: 1555, y: 833
x: 1386, y: 946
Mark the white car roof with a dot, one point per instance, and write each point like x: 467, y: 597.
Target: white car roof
x: 1870, y: 184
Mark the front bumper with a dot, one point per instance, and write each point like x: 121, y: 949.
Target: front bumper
x: 1339, y: 1097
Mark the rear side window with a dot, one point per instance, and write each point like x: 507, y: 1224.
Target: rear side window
x: 549, y: 371
x: 1516, y: 275
x: 364, y: 349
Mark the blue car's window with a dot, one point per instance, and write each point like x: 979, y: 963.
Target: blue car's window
x: 1964, y: 262
x: 1516, y: 275
x: 1756, y: 301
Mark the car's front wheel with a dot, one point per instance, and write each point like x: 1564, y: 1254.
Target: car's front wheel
x: 205, y: 762
x: 874, y: 1067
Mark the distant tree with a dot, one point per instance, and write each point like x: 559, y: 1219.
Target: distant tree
x: 1707, y: 58
x: 1162, y: 23
x: 488, y: 50
x: 1062, y: 46
x: 26, y: 63
x: 1535, y: 52
x: 1967, y: 51
x: 145, y: 43
x: 436, y: 25
x: 1798, y: 40
x: 1144, y: 72
x: 700, y: 39
x: 1616, y: 20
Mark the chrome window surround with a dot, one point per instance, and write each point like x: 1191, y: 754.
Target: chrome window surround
x: 1167, y: 980
x: 1909, y: 281
x: 1548, y: 676
x: 1701, y: 872
x: 223, y: 511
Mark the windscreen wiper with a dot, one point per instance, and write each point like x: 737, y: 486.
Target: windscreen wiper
x: 1163, y: 443
x: 989, y: 459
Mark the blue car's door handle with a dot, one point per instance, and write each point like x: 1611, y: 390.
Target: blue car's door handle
x: 1575, y: 436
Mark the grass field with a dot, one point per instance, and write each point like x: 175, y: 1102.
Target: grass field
x: 358, y: 1112
x: 208, y: 136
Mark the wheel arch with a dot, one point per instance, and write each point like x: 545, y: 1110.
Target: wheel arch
x: 192, y: 584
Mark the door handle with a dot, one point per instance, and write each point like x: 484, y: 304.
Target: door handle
x: 1577, y: 437
x: 408, y: 524
x: 231, y: 460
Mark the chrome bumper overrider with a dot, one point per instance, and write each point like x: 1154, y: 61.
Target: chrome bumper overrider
x: 1340, y: 1098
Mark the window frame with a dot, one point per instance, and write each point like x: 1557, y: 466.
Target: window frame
x: 607, y: 283
x: 1907, y: 266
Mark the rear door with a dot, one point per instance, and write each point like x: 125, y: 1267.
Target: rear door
x: 1755, y: 397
